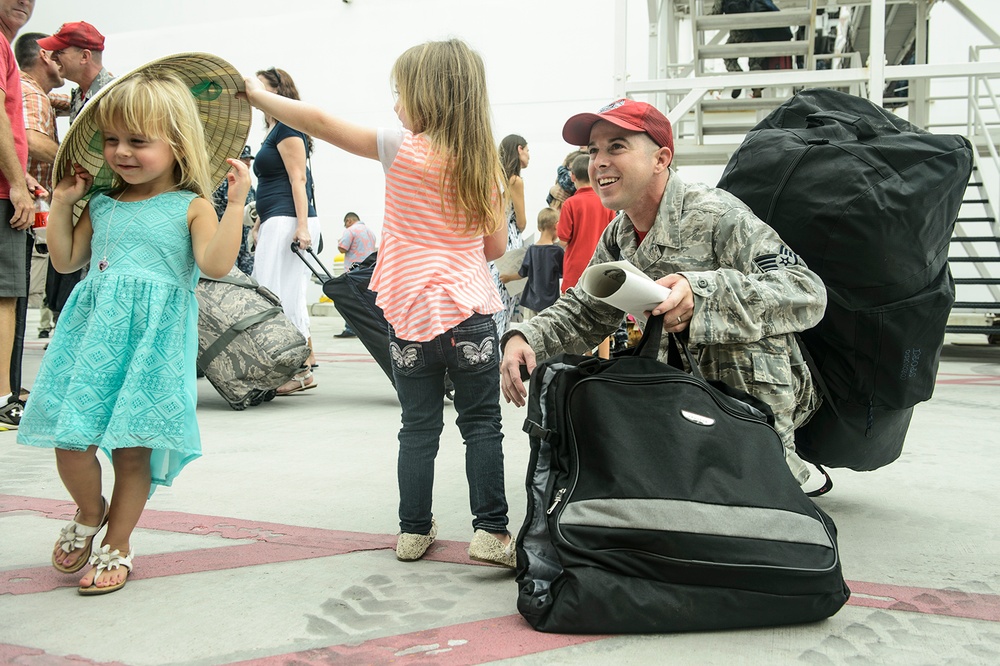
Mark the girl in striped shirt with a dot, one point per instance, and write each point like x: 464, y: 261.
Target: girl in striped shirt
x: 443, y: 222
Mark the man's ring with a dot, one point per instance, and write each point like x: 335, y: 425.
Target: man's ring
x: 680, y: 321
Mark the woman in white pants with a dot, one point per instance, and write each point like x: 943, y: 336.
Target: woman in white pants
x: 286, y: 214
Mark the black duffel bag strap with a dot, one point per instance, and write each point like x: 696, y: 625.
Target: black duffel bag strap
x: 649, y: 347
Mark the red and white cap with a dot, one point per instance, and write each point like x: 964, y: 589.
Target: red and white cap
x: 79, y: 34
x: 627, y: 114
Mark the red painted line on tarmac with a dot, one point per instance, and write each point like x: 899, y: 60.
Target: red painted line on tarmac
x: 977, y: 380
x: 46, y: 579
x: 485, y: 641
x: 17, y: 654
x: 274, y: 542
x: 952, y: 603
x: 270, y: 543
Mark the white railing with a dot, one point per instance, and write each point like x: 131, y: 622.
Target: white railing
x: 982, y: 125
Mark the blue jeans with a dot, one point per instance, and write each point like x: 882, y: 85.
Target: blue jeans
x: 470, y: 354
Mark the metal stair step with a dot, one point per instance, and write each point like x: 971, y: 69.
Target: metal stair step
x: 723, y: 129
x: 979, y: 280
x: 741, y: 104
x: 975, y: 239
x: 975, y: 219
x: 975, y: 201
x: 976, y: 305
x: 973, y: 260
x: 984, y: 330
x: 786, y: 18
x: 754, y: 50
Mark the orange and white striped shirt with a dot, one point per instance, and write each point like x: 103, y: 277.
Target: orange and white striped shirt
x: 431, y: 275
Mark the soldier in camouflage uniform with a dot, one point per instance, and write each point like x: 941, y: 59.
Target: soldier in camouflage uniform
x: 737, y: 288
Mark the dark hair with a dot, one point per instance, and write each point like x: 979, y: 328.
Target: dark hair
x: 352, y: 216
x: 579, y: 168
x: 283, y: 85
x: 509, y: 156
x: 26, y: 49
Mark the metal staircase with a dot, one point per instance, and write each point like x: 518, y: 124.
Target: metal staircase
x: 975, y: 265
x: 709, y: 124
x: 975, y: 253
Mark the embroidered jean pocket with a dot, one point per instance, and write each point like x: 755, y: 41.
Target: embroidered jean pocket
x: 406, y: 358
x: 476, y: 345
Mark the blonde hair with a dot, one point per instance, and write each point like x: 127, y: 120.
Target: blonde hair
x: 158, y: 105
x: 547, y: 219
x: 442, y: 89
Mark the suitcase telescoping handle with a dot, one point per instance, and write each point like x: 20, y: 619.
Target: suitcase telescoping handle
x: 313, y: 262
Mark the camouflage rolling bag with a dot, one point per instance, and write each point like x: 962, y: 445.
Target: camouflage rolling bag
x: 247, y: 347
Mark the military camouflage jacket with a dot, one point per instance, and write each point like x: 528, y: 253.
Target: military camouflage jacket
x: 751, y: 292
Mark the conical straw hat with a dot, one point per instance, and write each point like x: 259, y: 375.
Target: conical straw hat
x: 213, y: 83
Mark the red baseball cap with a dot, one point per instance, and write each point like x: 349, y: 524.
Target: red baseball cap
x: 627, y: 114
x: 79, y: 34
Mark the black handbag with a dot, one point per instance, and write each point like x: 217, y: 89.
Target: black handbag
x: 660, y: 502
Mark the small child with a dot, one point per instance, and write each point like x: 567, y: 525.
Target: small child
x: 443, y: 221
x: 119, y: 374
x: 542, y: 266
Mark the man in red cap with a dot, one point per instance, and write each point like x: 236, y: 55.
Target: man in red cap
x: 79, y: 49
x: 736, y: 288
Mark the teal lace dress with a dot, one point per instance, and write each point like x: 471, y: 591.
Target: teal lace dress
x: 120, y: 369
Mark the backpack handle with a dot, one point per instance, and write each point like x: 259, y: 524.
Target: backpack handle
x: 862, y: 128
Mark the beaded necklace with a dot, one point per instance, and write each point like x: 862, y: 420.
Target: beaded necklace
x: 103, y: 263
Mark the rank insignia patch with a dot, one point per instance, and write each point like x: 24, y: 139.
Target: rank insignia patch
x: 772, y: 262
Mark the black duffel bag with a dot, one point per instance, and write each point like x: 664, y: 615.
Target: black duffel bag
x: 869, y: 201
x: 661, y: 502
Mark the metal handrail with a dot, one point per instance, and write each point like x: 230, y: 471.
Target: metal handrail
x: 978, y: 125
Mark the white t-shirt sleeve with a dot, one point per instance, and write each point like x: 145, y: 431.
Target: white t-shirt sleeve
x: 389, y: 141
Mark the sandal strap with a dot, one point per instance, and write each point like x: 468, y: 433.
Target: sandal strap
x: 106, y: 559
x: 74, y: 535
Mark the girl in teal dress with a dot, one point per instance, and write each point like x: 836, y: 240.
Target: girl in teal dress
x: 119, y: 374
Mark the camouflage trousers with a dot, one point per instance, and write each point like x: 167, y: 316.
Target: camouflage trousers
x: 743, y: 37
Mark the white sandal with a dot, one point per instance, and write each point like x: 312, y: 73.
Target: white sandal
x: 106, y: 559
x: 306, y: 381
x: 75, y: 536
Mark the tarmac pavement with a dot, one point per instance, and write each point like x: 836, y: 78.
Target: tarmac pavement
x: 276, y: 546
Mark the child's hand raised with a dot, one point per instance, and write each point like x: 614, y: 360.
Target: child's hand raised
x: 253, y: 86
x: 73, y: 186
x: 238, y: 179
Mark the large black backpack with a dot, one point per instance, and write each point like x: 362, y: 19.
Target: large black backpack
x: 870, y: 202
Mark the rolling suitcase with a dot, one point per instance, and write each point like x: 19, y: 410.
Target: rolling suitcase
x: 247, y: 347
x: 356, y: 303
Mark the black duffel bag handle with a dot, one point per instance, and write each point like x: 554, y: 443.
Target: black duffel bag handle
x: 862, y: 128
x: 649, y: 347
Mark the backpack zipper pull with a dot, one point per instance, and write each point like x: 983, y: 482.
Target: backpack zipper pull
x: 555, y: 502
